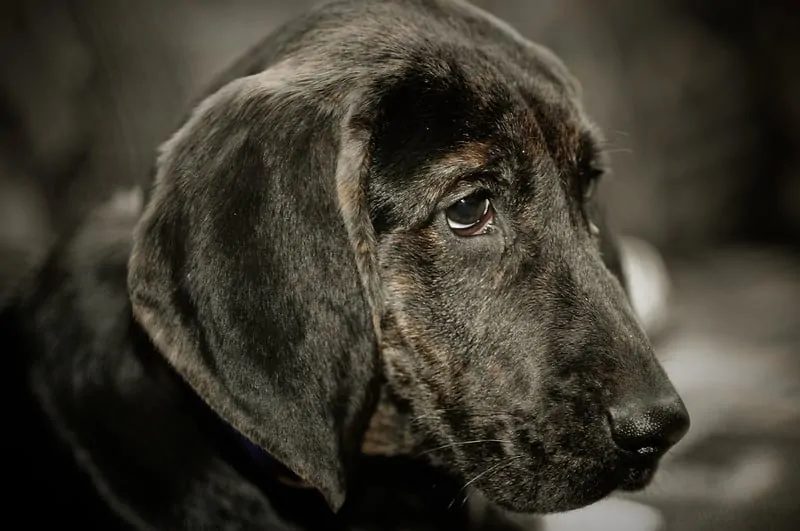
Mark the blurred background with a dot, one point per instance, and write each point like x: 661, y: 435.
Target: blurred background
x: 700, y: 104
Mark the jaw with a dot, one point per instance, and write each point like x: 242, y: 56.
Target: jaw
x: 559, y: 496
x: 540, y: 482
x: 520, y: 487
x: 405, y: 424
x: 542, y: 493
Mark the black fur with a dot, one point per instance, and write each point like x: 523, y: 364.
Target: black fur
x: 293, y: 265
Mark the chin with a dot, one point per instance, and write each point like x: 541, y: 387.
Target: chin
x: 637, y: 478
x: 566, y: 488
x: 555, y: 501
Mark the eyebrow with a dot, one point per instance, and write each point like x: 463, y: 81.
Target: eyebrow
x: 444, y: 171
x: 469, y: 157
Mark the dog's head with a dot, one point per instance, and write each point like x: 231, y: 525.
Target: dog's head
x: 404, y: 190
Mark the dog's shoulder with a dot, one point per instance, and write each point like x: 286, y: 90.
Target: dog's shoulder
x: 80, y: 295
x: 45, y: 332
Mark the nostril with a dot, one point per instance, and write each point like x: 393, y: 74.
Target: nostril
x: 649, y: 429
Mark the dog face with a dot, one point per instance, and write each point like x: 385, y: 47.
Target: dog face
x: 414, y: 205
x: 505, y: 332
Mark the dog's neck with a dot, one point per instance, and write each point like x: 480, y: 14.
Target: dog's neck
x: 388, y: 434
x: 389, y: 431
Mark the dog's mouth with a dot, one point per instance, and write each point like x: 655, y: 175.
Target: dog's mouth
x: 636, y: 476
x: 637, y: 472
x: 566, y: 483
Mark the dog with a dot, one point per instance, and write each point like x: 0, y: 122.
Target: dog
x: 378, y: 233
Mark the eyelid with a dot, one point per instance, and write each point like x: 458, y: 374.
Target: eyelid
x: 596, y: 172
x: 591, y: 172
x: 589, y: 181
x: 487, y: 182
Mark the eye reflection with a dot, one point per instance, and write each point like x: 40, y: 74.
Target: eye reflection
x: 470, y: 215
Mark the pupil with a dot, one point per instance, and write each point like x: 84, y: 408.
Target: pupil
x: 468, y: 210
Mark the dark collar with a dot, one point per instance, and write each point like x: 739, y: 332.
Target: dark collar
x: 262, y: 461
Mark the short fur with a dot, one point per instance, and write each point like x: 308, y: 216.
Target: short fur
x: 293, y: 265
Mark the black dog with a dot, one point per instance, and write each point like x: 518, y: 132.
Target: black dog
x: 385, y: 199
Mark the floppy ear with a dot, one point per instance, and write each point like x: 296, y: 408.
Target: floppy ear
x: 252, y: 271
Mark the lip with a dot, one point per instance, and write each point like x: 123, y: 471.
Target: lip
x: 636, y: 475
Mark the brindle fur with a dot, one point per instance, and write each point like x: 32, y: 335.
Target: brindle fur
x: 292, y: 265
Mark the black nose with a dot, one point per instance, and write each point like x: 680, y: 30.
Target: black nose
x: 649, y: 427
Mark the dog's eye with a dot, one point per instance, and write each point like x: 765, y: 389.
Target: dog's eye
x: 590, y: 182
x: 470, y: 215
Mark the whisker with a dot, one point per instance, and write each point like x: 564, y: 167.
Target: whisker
x: 466, y: 498
x: 495, y: 468
x: 471, y: 412
x: 461, y: 443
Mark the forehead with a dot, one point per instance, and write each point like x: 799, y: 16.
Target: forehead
x: 473, y: 108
